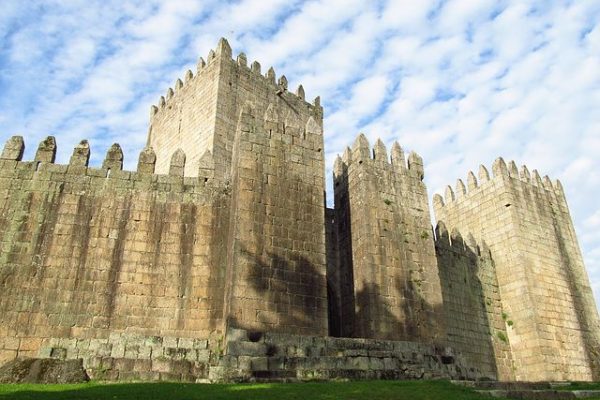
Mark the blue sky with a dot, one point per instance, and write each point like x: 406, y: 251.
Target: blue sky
x: 460, y: 82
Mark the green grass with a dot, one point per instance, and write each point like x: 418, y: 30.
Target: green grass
x: 371, y: 390
x: 580, y: 386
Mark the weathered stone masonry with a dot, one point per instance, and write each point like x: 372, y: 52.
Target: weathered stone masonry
x: 217, y: 259
x: 383, y: 220
x: 542, y: 282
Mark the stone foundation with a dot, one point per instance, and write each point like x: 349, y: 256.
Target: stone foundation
x: 256, y: 356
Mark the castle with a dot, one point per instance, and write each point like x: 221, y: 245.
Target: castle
x: 218, y: 259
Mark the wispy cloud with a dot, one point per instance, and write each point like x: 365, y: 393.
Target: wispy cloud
x: 459, y: 81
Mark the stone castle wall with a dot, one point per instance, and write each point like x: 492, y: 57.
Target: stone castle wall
x: 541, y: 278
x: 221, y: 262
x: 388, y: 265
x: 90, y: 252
x: 475, y: 321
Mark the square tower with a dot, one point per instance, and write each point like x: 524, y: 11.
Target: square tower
x: 201, y: 112
x: 267, y: 144
x: 545, y: 291
x: 388, y: 281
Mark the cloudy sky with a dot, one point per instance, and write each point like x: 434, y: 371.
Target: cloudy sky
x: 461, y: 82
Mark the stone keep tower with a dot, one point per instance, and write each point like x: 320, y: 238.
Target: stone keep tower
x: 541, y: 277
x: 268, y: 143
x: 388, y: 275
x: 201, y: 112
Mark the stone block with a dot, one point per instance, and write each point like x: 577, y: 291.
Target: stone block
x: 185, y: 343
x: 203, y: 355
x: 200, y: 344
x: 169, y: 377
x: 10, y: 343
x: 360, y: 363
x: 259, y: 363
x: 169, y: 342
x: 176, y: 353
x: 142, y: 365
x: 376, y: 363
x: 236, y: 335
x: 124, y: 364
x: 58, y: 352
x: 30, y: 344
x: 45, y: 352
x: 246, y: 348
x: 218, y: 374
x: 117, y: 351
x: 244, y: 362
x: 181, y: 366
x: 356, y: 353
x: 229, y: 361
x: 161, y: 365
x: 276, y: 363
x: 7, y: 355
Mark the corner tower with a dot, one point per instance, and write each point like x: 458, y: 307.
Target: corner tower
x: 267, y: 143
x: 542, y: 281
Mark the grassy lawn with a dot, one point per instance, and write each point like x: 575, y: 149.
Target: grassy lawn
x: 580, y: 386
x: 371, y: 390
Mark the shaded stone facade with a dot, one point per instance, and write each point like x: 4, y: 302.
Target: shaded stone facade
x: 217, y: 259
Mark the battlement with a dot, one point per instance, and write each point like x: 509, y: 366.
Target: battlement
x: 43, y: 166
x: 377, y: 156
x: 273, y: 126
x: 455, y: 242
x: 500, y: 171
x: 223, y: 52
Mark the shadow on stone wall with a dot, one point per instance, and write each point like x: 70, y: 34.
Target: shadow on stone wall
x: 270, y: 277
x: 344, y: 282
x: 288, y: 285
x: 374, y: 312
x: 467, y: 303
x: 586, y: 313
x: 334, y: 300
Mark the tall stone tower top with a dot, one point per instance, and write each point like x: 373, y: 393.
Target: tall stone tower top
x: 201, y: 111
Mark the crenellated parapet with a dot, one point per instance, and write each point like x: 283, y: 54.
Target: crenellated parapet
x: 453, y: 241
x: 200, y: 111
x: 43, y: 167
x: 501, y: 172
x: 275, y: 125
x: 376, y: 157
x: 223, y: 53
